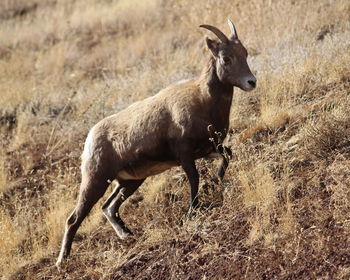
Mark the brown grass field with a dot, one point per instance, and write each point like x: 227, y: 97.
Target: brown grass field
x: 283, y: 210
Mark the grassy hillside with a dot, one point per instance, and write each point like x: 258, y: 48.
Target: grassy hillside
x: 283, y: 210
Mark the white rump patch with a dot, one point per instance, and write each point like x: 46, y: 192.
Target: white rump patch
x: 88, y: 146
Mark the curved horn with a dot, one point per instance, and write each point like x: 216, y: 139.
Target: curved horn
x: 233, y: 29
x: 216, y: 31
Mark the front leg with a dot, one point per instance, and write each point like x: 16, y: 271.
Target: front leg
x: 187, y: 162
x: 226, y: 154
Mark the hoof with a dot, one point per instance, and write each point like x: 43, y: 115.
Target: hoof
x: 124, y: 234
x: 58, y: 264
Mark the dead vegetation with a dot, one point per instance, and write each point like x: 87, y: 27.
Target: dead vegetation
x: 282, y: 211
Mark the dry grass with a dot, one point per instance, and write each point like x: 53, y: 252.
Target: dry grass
x: 282, y: 211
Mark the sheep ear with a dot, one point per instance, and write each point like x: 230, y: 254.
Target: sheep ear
x: 213, y: 46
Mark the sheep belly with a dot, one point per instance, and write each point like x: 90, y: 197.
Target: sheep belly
x: 147, y: 169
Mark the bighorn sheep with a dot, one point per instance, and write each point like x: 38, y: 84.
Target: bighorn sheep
x: 174, y: 127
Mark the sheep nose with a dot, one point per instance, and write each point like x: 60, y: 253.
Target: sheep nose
x: 252, y: 83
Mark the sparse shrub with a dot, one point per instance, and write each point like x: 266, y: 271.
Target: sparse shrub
x: 328, y: 134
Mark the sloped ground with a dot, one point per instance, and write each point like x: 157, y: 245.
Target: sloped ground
x: 282, y: 211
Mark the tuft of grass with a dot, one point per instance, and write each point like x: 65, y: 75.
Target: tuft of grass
x: 11, y: 255
x: 259, y: 192
x: 3, y: 176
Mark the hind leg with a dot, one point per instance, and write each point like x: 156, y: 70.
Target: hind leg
x: 90, y: 192
x: 111, y: 206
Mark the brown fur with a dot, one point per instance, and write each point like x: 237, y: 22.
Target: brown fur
x: 180, y: 124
